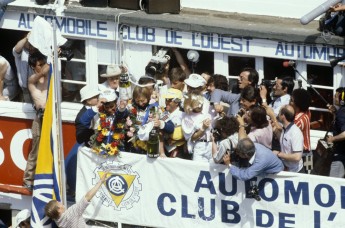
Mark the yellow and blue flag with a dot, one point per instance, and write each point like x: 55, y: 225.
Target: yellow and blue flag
x: 47, y: 181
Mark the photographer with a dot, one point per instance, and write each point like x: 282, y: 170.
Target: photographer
x: 281, y: 93
x: 224, y: 138
x: 260, y: 129
x: 261, y: 161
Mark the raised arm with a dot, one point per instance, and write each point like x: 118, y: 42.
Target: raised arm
x: 92, y: 192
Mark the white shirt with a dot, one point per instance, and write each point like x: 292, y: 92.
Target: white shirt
x: 279, y: 102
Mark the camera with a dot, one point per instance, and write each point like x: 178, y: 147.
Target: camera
x: 65, y: 50
x: 157, y: 63
x: 268, y: 83
x: 68, y: 54
x: 216, y: 135
x: 241, y: 112
x: 253, y: 192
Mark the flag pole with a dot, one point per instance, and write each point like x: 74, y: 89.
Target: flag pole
x: 57, y: 91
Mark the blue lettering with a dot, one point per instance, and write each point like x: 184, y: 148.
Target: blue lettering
x: 160, y: 204
x: 342, y: 195
x: 22, y: 21
x: 215, y: 42
x: 291, y: 48
x: 305, y: 49
x: 201, y: 203
x: 176, y: 38
x: 260, y: 217
x: 233, y: 211
x: 205, y: 40
x: 295, y: 194
x: 140, y: 35
x: 224, y: 42
x: 222, y: 185
x: 208, y: 184
x: 247, y: 43
x: 330, y: 194
x: 320, y: 54
x: 151, y: 34
x: 185, y: 213
x: 80, y: 26
x: 194, y: 39
x: 62, y: 24
x: 101, y: 26
x: 317, y: 220
x: 283, y: 222
x: 169, y: 39
x: 280, y: 49
x: 275, y: 189
x: 70, y: 25
x: 236, y: 44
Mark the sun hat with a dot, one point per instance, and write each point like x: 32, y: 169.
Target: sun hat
x: 173, y: 93
x: 21, y: 216
x: 88, y: 92
x: 109, y: 95
x: 195, y: 81
x: 112, y: 70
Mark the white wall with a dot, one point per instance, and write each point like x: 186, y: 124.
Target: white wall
x: 287, y: 8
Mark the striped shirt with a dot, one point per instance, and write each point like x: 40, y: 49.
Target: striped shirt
x: 73, y: 216
x: 302, y: 120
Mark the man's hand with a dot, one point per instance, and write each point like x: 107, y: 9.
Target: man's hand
x: 226, y: 159
x: 4, y: 98
x: 331, y: 108
x: 206, y: 124
x: 263, y: 92
x: 219, y: 108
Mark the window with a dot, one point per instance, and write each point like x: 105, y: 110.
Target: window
x: 321, y: 78
x: 236, y: 64
x: 73, y: 72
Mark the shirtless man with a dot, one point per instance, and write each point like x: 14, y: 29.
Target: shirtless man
x: 38, y: 87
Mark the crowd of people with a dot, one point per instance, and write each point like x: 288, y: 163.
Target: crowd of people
x: 249, y: 128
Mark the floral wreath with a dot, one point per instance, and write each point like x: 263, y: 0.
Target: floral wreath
x: 110, y: 136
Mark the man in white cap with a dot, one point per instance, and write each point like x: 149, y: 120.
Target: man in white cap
x: 22, y: 219
x: 85, y: 119
x: 112, y: 76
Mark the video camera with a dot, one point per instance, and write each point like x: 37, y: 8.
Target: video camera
x: 157, y: 63
x: 268, y: 83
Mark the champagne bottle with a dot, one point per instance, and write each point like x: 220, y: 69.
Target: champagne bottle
x: 153, y: 144
x: 125, y: 90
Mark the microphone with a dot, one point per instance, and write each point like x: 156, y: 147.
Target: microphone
x: 318, y: 11
x: 288, y: 63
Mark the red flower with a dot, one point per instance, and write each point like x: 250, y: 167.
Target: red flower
x: 114, y: 144
x: 103, y: 124
x: 134, y: 111
x: 100, y: 138
x: 122, y: 136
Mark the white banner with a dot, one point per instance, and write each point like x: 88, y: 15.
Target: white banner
x: 181, y: 193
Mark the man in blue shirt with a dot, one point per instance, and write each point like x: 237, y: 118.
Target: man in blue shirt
x: 261, y: 160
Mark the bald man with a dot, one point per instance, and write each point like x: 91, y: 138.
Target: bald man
x: 291, y: 141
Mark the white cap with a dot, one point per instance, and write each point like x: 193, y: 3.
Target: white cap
x: 109, y: 95
x: 87, y: 92
x: 21, y: 216
x: 195, y: 81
